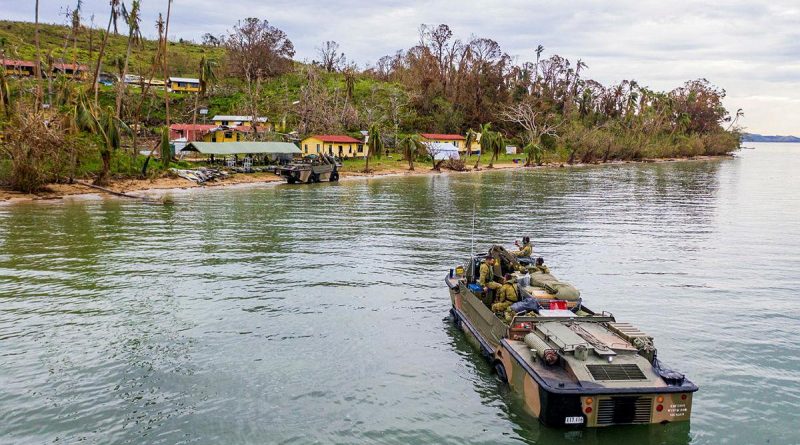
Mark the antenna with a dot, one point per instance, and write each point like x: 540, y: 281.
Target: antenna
x: 472, y: 251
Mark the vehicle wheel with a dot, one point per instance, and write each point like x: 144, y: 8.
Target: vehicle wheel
x: 313, y: 178
x: 501, y: 371
x: 334, y: 176
x: 291, y: 180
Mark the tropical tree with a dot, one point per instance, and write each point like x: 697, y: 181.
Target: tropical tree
x: 374, y: 144
x: 485, y: 142
x: 112, y: 18
x: 132, y: 19
x: 497, y: 143
x: 207, y: 76
x: 411, y: 147
x: 165, y: 60
x: 166, y: 148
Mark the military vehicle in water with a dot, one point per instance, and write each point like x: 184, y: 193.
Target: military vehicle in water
x: 573, y: 366
x: 312, y: 168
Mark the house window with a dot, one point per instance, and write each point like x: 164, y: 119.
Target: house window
x: 306, y: 148
x: 317, y: 148
x: 350, y: 149
x: 361, y: 148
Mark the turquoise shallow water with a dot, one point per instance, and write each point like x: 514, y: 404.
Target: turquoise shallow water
x: 317, y: 314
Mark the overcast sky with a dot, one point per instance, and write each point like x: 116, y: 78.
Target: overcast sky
x: 751, y: 50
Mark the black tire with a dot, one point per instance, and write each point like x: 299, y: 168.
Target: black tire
x: 291, y: 180
x: 501, y: 371
x: 313, y: 178
x: 334, y: 176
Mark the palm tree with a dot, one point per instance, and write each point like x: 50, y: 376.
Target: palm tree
x: 112, y: 18
x: 374, y: 144
x: 132, y: 19
x: 410, y: 147
x: 497, y: 143
x: 37, y: 70
x: 485, y: 141
x: 207, y: 77
x: 471, y: 137
x: 166, y: 61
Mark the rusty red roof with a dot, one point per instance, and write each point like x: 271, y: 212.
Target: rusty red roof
x: 193, y: 127
x: 13, y: 62
x: 443, y: 137
x: 336, y: 138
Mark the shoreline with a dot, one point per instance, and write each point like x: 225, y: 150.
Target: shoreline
x: 160, y: 186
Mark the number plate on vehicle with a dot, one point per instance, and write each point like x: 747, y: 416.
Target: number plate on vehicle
x: 573, y: 420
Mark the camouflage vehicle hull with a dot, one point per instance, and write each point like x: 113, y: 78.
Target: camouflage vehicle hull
x: 558, y: 362
x: 309, y: 173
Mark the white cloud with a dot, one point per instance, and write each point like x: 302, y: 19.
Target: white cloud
x: 749, y: 48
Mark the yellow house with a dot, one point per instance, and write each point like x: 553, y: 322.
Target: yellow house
x: 224, y: 134
x: 335, y: 145
x: 184, y: 85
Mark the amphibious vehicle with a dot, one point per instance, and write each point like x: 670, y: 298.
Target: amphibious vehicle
x: 311, y: 169
x: 573, y: 366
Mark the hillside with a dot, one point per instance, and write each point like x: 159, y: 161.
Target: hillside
x: 753, y: 137
x: 550, y: 109
x: 55, y: 41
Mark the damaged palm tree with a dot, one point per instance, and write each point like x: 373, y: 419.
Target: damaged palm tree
x: 411, y: 147
x: 374, y: 144
x: 207, y: 77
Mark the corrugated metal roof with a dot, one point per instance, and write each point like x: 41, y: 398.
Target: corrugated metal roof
x: 231, y: 148
x: 184, y: 79
x: 226, y: 117
x: 443, y: 137
x: 13, y: 62
x: 335, y: 138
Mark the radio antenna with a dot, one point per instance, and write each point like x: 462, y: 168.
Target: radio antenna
x: 473, y: 232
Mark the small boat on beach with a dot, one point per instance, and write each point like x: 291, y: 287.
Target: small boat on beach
x: 573, y: 366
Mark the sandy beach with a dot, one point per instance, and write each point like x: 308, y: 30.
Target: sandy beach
x: 138, y: 187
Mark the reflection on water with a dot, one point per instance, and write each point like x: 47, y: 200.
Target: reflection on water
x: 314, y: 314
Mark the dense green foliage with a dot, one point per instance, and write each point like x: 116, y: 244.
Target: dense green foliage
x: 444, y: 85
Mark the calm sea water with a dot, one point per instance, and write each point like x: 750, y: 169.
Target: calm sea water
x: 317, y: 314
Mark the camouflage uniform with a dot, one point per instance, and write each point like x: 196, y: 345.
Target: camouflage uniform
x: 541, y: 268
x: 525, y: 251
x: 487, y: 277
x: 506, y: 296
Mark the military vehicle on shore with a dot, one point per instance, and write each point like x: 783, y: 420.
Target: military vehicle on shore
x: 312, y: 168
x: 573, y: 366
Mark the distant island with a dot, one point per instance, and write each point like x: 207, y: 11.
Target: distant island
x: 752, y: 137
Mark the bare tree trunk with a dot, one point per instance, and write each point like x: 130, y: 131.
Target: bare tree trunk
x: 166, y: 63
x: 100, y: 56
x: 122, y: 87
x: 37, y: 70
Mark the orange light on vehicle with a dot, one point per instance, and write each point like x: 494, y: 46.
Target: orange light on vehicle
x: 683, y: 396
x: 588, y: 400
x: 660, y: 408
x: 588, y: 410
x: 660, y: 399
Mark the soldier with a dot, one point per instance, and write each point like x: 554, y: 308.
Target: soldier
x: 506, y: 296
x: 539, y: 266
x: 486, y: 278
x: 526, y: 249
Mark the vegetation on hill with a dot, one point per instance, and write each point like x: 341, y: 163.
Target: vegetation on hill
x: 445, y: 85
